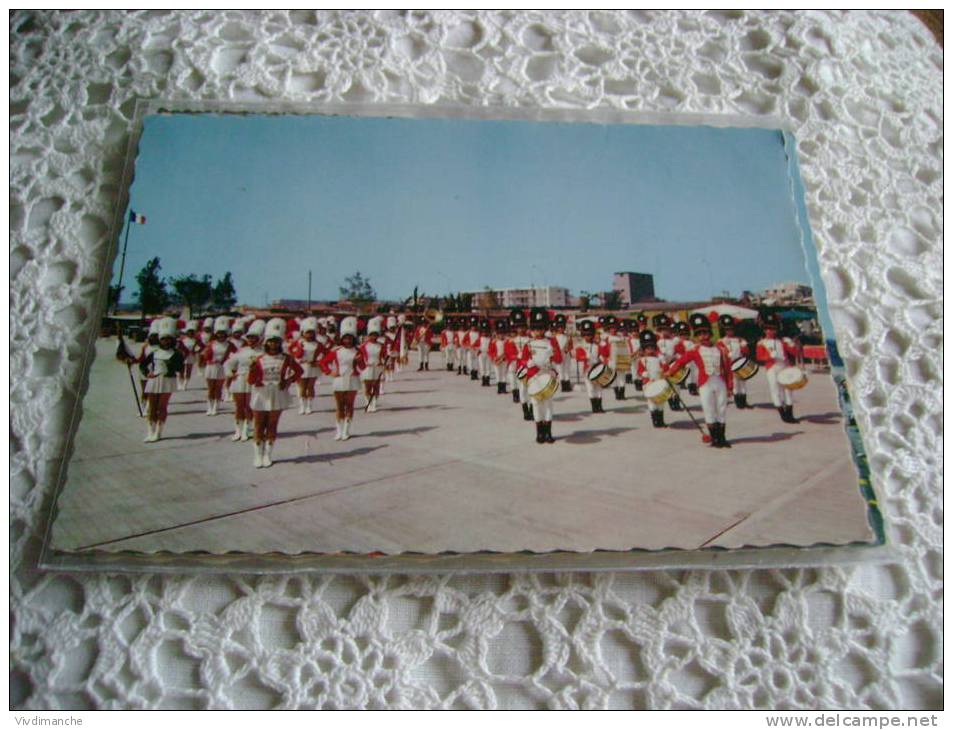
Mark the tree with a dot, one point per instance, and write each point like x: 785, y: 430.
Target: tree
x: 488, y: 299
x: 191, y: 291
x: 153, y: 296
x: 358, y: 289
x: 612, y: 299
x: 584, y: 299
x: 223, y: 294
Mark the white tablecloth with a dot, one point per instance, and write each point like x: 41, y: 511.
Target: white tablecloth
x: 863, y: 92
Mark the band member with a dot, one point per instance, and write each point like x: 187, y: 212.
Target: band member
x: 620, y: 353
x: 448, y: 345
x: 392, y: 341
x: 214, y: 356
x: 189, y: 346
x: 648, y: 366
x: 591, y: 352
x: 773, y: 354
x: 666, y: 349
x: 344, y: 363
x: 237, y: 336
x: 486, y: 337
x: 540, y: 355
x: 684, y: 343
x: 518, y: 317
x: 307, y: 352
x: 270, y: 375
x: 161, y: 367
x: 714, y: 381
x: 374, y: 354
x: 422, y: 341
x: 206, y: 335
x: 496, y: 353
x: 151, y: 343
x: 735, y: 347
x: 404, y: 332
x: 473, y: 347
x: 565, y: 347
x: 237, y: 367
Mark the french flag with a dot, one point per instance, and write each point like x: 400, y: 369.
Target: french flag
x: 136, y: 218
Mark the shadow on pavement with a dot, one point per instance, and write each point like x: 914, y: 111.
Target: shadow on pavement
x: 591, y: 437
x: 330, y: 456
x: 776, y: 436
x: 397, y: 432
x: 385, y: 408
x: 824, y: 419
x: 202, y: 435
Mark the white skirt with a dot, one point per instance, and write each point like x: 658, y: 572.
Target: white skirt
x: 371, y: 373
x: 309, y: 371
x: 160, y: 384
x: 345, y: 383
x: 269, y: 398
x: 214, y: 372
x: 240, y: 384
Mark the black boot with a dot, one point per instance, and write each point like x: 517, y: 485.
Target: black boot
x: 459, y: 370
x: 744, y: 400
x: 693, y: 388
x: 516, y: 395
x: 724, y: 440
x: 654, y: 415
x: 486, y: 381
x: 548, y: 432
x: 450, y: 367
x: 426, y: 366
x: 738, y: 402
x: 566, y: 386
x: 540, y: 438
x: 713, y: 435
x: 621, y: 392
x: 473, y: 374
x: 790, y: 411
x: 593, y: 402
x: 465, y: 371
x: 674, y: 403
x: 660, y: 415
x: 783, y: 413
x: 628, y: 377
x: 599, y: 405
x: 499, y: 388
x: 527, y: 412
x: 420, y: 368
x: 638, y: 385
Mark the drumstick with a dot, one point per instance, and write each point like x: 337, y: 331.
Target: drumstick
x: 706, y: 438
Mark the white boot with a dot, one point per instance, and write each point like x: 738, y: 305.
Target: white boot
x: 259, y: 452
x: 238, y: 430
x: 372, y: 408
x: 344, y: 431
x: 208, y: 407
x: 159, y: 425
x: 246, y: 430
x: 150, y: 433
x: 300, y: 406
x: 339, y: 432
x: 214, y: 407
x: 307, y: 406
x: 266, y: 459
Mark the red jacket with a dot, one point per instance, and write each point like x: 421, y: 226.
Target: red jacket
x: 695, y: 356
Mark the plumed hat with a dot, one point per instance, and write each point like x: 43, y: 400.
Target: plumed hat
x: 275, y: 328
x: 256, y: 328
x: 349, y: 326
x: 221, y: 324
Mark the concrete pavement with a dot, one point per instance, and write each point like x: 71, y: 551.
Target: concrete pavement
x: 447, y: 465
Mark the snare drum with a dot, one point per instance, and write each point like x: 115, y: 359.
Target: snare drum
x: 679, y: 376
x: 521, y: 372
x: 602, y: 375
x: 792, y: 378
x: 543, y: 385
x: 658, y: 391
x: 744, y: 367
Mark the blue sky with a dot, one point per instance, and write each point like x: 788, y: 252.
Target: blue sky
x: 451, y: 205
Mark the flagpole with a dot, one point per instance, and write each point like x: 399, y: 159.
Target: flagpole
x: 309, y: 292
x: 122, y: 263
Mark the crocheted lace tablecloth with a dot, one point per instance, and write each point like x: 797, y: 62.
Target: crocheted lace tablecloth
x: 863, y: 94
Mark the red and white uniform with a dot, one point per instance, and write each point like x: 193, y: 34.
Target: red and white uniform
x: 214, y: 356
x: 565, y: 347
x: 666, y: 348
x: 496, y: 352
x: 423, y: 340
x: 307, y: 354
x: 635, y: 349
x: 539, y: 354
x: 520, y: 342
x: 773, y: 355
x: 589, y: 354
x: 374, y: 355
x: 683, y: 345
x: 511, y: 352
x: 473, y: 348
x: 714, y: 379
x: 448, y: 346
x: 238, y: 366
x: 647, y: 369
x: 270, y: 376
x: 735, y: 347
x: 344, y: 364
x: 484, y: 354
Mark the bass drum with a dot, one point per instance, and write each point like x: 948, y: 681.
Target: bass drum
x: 659, y: 391
x: 602, y: 375
x: 543, y: 385
x: 792, y: 378
x: 744, y: 367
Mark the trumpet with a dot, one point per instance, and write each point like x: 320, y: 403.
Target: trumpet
x: 434, y: 316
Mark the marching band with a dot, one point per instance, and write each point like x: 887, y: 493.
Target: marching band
x: 528, y: 354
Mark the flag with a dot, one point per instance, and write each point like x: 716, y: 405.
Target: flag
x: 136, y: 218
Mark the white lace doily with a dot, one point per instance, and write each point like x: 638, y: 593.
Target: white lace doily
x: 864, y: 94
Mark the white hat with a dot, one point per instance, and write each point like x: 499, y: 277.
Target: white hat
x: 374, y: 326
x: 309, y: 324
x: 275, y: 328
x: 221, y: 324
x: 238, y: 328
x: 332, y: 322
x: 154, y: 326
x: 256, y: 328
x: 165, y: 327
x: 207, y: 323
x: 349, y: 326
x: 391, y: 322
x: 191, y: 325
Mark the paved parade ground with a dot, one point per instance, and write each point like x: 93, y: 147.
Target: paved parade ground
x: 448, y: 465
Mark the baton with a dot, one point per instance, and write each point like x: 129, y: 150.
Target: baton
x: 706, y: 438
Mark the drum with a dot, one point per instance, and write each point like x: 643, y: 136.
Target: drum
x: 679, y: 376
x: 623, y: 361
x: 521, y: 372
x: 792, y: 378
x: 744, y: 367
x: 543, y: 385
x: 658, y: 391
x: 602, y: 375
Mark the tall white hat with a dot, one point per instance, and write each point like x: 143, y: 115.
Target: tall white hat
x: 154, y: 326
x: 256, y: 328
x: 349, y: 326
x: 309, y: 324
x: 275, y: 328
x: 207, y: 323
x: 165, y: 327
x: 374, y: 326
x: 191, y: 325
x: 238, y: 327
x: 221, y: 324
x: 391, y: 321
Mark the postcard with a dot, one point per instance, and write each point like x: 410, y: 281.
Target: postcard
x: 342, y: 334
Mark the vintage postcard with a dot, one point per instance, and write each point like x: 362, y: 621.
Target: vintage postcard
x: 336, y: 334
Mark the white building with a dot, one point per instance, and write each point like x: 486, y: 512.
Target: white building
x: 542, y: 296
